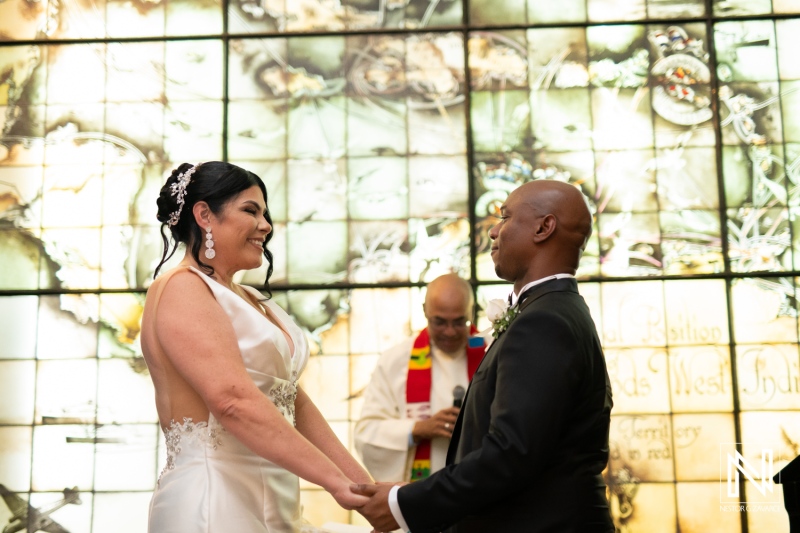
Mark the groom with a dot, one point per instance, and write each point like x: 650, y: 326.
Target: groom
x: 531, y: 441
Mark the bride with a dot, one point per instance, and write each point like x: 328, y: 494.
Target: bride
x: 225, y: 364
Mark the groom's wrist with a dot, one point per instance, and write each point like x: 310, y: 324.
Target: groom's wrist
x: 394, y: 507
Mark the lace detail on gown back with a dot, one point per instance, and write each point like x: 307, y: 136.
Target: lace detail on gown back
x: 204, y: 433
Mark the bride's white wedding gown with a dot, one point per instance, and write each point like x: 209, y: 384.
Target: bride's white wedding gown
x: 212, y: 483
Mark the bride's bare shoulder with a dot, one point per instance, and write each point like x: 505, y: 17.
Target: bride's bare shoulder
x: 176, y: 280
x: 175, y: 272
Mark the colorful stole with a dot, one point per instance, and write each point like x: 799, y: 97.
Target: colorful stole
x: 418, y: 390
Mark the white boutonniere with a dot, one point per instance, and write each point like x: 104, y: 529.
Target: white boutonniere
x: 500, y: 315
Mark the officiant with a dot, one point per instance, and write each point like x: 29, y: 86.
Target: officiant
x: 413, y: 398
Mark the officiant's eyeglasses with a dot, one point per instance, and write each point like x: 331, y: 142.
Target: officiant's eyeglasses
x: 441, y: 323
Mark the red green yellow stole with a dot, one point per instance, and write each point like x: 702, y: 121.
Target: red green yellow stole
x: 418, y: 390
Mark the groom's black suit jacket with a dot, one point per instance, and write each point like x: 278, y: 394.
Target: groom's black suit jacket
x: 531, y: 441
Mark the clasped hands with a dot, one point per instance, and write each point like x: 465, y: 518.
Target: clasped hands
x: 376, y: 510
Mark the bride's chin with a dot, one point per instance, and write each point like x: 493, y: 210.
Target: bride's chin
x: 250, y: 262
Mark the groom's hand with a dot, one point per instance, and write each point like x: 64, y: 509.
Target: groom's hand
x: 376, y: 510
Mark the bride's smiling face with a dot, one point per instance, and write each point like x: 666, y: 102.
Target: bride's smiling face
x: 239, y: 231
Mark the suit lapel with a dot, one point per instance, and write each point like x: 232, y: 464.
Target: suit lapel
x: 456, y: 438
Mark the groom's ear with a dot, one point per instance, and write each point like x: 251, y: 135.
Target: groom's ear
x: 544, y: 227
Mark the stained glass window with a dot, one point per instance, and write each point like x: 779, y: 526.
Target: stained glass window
x: 388, y: 134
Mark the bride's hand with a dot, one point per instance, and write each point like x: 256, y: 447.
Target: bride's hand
x: 346, y: 498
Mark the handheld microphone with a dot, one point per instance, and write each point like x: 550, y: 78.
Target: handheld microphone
x: 458, y: 395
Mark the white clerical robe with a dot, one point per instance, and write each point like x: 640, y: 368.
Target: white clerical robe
x: 382, y: 433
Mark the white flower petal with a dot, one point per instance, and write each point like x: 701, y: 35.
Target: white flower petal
x: 495, y: 309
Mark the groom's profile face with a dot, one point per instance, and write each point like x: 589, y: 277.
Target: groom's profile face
x: 512, y: 243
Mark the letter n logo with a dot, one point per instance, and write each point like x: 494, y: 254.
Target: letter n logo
x: 762, y: 480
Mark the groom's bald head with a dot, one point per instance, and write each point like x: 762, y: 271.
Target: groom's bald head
x: 545, y: 226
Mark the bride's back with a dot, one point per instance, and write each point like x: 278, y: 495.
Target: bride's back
x: 176, y: 399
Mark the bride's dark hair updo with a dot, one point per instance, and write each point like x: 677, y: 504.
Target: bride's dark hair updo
x: 215, y: 183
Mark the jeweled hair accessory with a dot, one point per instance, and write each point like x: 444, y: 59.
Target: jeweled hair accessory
x: 179, y: 189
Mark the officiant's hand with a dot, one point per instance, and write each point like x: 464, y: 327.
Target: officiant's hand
x: 439, y: 425
x: 376, y: 510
